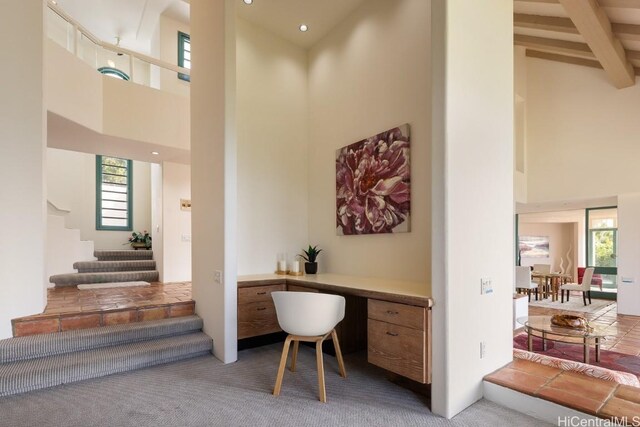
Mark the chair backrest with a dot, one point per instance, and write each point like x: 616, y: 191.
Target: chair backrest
x: 586, y: 278
x: 308, y: 313
x: 523, y: 276
x: 542, y: 268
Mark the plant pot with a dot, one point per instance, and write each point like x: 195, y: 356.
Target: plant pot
x: 311, y: 267
x: 139, y: 245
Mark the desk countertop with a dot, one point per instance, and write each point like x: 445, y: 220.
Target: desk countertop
x: 387, y: 289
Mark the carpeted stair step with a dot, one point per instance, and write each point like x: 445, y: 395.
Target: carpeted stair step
x: 107, y: 266
x: 27, y: 375
x: 74, y: 279
x: 37, y: 346
x: 124, y: 255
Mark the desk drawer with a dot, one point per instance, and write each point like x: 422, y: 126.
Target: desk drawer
x: 410, y: 316
x: 258, y: 293
x: 398, y: 349
x: 296, y: 288
x: 257, y: 318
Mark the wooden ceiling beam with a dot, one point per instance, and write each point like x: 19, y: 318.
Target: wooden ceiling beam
x: 547, y: 23
x: 595, y: 27
x: 562, y: 47
x: 532, y: 53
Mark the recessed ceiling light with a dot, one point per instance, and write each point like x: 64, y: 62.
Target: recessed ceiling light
x: 155, y: 153
x: 54, y: 2
x: 110, y: 63
x: 247, y: 1
x: 303, y: 27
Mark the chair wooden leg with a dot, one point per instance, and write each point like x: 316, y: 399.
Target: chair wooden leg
x: 568, y: 293
x: 336, y: 345
x: 536, y: 294
x: 294, y: 355
x: 529, y: 294
x: 322, y: 392
x: 584, y: 297
x: 561, y: 296
x: 283, y: 362
x: 589, y: 295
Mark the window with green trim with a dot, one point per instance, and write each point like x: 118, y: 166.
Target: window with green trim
x: 184, y: 54
x: 114, y: 196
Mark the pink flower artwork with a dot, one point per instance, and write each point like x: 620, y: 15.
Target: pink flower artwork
x: 373, y: 184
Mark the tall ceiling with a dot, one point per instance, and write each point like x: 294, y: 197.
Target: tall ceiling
x: 594, y: 33
x: 134, y: 21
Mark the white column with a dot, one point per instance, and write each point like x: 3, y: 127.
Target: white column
x: 213, y: 172
x: 22, y: 163
x: 473, y: 204
x: 628, y: 254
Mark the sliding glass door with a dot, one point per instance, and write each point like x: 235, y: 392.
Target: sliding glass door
x: 602, y: 246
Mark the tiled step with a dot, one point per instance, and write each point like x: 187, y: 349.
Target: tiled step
x: 124, y: 255
x: 74, y: 279
x: 73, y: 320
x: 42, y: 345
x: 26, y: 375
x: 110, y: 266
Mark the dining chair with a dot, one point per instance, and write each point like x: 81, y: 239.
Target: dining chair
x: 308, y: 317
x: 524, y: 282
x: 585, y: 286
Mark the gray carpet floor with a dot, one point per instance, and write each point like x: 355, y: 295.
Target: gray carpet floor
x: 204, y: 392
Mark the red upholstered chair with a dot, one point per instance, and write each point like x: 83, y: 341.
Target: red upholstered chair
x: 596, y: 280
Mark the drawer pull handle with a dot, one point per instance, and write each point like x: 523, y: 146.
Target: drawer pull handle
x: 262, y: 293
x: 392, y: 334
x: 393, y: 313
x: 262, y: 308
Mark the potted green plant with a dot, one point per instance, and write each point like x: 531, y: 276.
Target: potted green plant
x: 310, y: 255
x: 140, y: 240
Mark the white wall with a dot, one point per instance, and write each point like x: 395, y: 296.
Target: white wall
x: 272, y: 148
x: 71, y: 181
x: 629, y: 253
x: 520, y: 124
x: 473, y: 84
x: 581, y: 133
x: 369, y: 74
x: 561, y: 239
x: 23, y: 138
x: 176, y: 252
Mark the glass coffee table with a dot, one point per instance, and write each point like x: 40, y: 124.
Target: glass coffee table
x: 541, y: 327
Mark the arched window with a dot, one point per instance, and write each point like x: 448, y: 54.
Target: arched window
x: 113, y: 72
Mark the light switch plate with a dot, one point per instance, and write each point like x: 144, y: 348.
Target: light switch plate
x: 217, y: 276
x: 486, y: 287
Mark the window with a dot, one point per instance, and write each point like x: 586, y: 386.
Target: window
x: 114, y: 207
x: 184, y: 54
x: 113, y: 72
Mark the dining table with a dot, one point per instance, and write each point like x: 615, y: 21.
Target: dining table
x: 550, y: 283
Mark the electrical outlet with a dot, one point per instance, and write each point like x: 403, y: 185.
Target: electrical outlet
x: 185, y: 237
x: 486, y: 287
x: 483, y: 349
x: 217, y: 276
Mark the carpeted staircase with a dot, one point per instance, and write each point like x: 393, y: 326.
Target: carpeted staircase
x: 41, y: 361
x: 111, y: 266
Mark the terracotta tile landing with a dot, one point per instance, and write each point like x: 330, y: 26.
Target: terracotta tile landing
x: 71, y: 308
x: 604, y: 399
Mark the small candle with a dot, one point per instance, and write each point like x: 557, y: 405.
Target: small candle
x: 282, y: 265
x: 295, y: 267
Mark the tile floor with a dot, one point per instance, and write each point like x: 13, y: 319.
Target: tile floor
x: 70, y: 308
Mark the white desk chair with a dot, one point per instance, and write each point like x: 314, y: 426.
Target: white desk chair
x: 524, y: 283
x: 585, y: 286
x: 310, y: 317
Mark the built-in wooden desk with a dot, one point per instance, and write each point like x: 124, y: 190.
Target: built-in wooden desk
x: 396, y: 316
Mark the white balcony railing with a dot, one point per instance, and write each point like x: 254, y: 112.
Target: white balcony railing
x: 70, y: 34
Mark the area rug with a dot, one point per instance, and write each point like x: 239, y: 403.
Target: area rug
x: 574, y: 304
x: 113, y: 285
x: 608, y: 359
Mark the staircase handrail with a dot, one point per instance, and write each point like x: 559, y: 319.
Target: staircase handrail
x: 111, y: 47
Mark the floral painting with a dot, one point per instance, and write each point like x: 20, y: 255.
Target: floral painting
x: 373, y: 184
